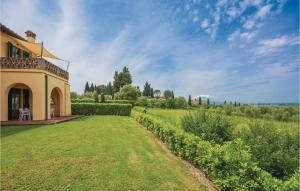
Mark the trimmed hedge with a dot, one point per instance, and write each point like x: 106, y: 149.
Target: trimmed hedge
x: 91, y: 100
x: 229, y: 165
x: 101, y: 109
x: 117, y: 101
x: 83, y: 100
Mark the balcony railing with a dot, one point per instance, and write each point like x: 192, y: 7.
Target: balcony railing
x: 32, y: 63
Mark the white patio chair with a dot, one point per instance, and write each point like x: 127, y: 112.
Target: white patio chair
x: 24, y: 114
x: 27, y: 113
x: 21, y: 114
x: 52, y: 112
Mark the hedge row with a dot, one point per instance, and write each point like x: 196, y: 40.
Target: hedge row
x: 101, y: 109
x: 83, y: 100
x: 228, y: 165
x: 91, y: 100
x: 117, y: 101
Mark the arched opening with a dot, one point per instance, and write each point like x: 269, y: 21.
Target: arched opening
x: 55, y: 103
x: 19, y: 102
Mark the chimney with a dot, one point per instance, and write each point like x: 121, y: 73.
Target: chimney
x: 30, y: 36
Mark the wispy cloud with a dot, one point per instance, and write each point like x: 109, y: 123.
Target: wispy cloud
x: 237, y: 35
x: 257, y: 18
x: 269, y: 46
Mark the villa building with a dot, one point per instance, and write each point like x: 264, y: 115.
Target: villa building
x: 29, y: 82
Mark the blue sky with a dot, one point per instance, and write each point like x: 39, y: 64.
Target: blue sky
x: 234, y: 50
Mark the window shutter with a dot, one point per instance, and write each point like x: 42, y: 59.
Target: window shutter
x: 9, y: 49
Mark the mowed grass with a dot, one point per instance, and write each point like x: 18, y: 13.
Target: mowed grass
x: 91, y: 153
x: 171, y: 115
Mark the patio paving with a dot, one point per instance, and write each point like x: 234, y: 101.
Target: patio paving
x: 53, y: 120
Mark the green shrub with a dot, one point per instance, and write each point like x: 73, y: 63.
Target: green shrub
x: 275, y: 150
x: 180, y: 102
x: 91, y: 100
x: 100, y: 109
x: 208, y: 126
x: 169, y: 103
x: 117, y: 101
x: 102, y: 98
x: 128, y: 92
x: 230, y: 165
x: 83, y: 100
x: 96, y: 98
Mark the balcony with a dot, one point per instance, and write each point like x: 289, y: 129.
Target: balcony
x: 33, y: 63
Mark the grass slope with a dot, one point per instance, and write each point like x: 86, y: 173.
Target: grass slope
x: 93, y: 153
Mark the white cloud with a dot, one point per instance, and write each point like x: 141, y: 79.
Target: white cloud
x: 249, y: 24
x: 269, y: 46
x: 256, y: 19
x: 248, y: 35
x: 237, y: 35
x: 278, y: 69
x: 232, y: 12
x: 263, y: 11
x: 204, y: 24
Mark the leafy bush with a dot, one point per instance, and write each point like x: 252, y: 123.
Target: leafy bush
x: 83, y: 100
x: 208, y: 126
x: 74, y: 95
x: 128, y: 92
x: 102, y: 98
x: 90, y: 100
x: 95, y: 96
x: 180, y: 102
x: 100, y: 109
x: 168, y: 94
x: 169, y: 103
x: 120, y: 101
x: 230, y: 165
x: 279, y: 113
x: 274, y: 150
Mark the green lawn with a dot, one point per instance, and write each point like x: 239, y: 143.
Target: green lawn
x: 91, y: 153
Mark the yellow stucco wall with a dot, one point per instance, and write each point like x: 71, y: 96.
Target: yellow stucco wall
x: 35, y: 80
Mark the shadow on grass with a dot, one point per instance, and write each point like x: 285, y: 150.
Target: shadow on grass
x: 10, y: 130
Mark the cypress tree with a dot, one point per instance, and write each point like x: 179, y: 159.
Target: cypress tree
x: 200, y: 101
x: 147, y: 89
x: 86, y: 87
x: 92, y: 88
x: 151, y: 92
x: 190, y: 100
x: 121, y: 79
x: 109, y: 89
x: 116, y: 86
x: 207, y: 101
x: 173, y: 96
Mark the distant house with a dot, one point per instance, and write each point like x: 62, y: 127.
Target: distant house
x: 195, y: 101
x: 29, y: 82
